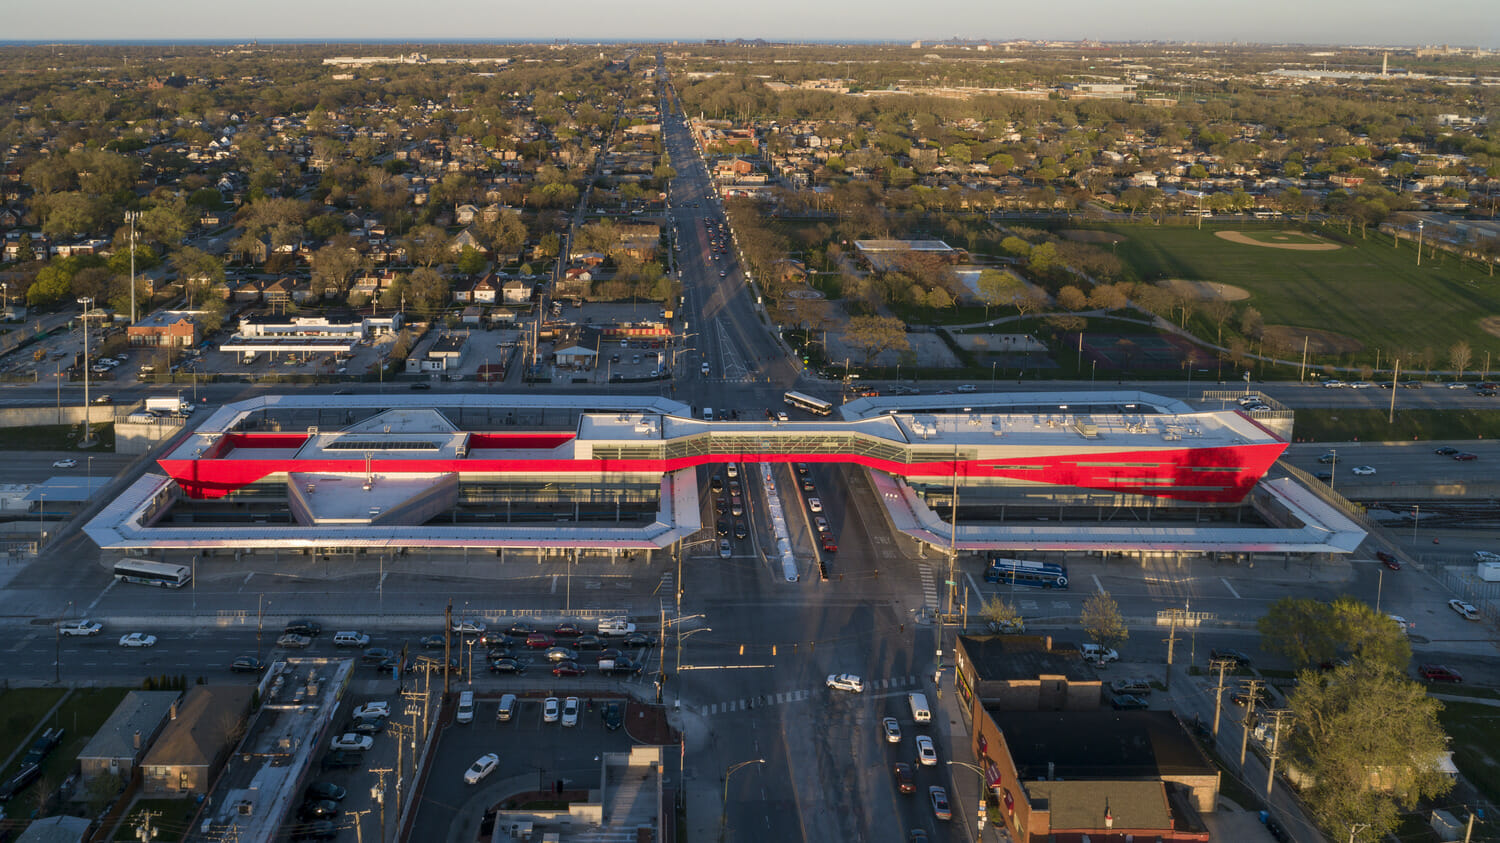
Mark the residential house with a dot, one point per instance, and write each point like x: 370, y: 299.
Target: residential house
x: 466, y: 239
x: 439, y: 351
x: 196, y: 741
x: 58, y: 829
x: 119, y: 744
x: 515, y: 291
x: 485, y: 290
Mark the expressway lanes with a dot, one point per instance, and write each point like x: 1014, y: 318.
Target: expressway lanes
x: 1396, y: 463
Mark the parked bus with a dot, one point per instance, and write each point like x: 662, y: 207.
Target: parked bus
x: 1021, y: 572
x: 159, y: 574
x: 816, y: 406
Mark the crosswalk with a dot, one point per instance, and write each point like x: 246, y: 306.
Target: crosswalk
x: 778, y: 698
x: 929, y: 587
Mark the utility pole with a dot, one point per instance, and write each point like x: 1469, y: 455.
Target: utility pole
x: 359, y: 824
x: 1275, y: 753
x: 1395, y: 383
x: 1222, y: 666
x: 379, y: 795
x: 402, y: 732
x: 1252, y: 693
x: 144, y: 832
x: 447, y: 643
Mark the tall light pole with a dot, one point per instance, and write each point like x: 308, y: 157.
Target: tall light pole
x: 1420, y: 223
x: 1334, y: 474
x: 131, y: 217
x: 88, y: 430
x: 724, y: 812
x: 979, y: 810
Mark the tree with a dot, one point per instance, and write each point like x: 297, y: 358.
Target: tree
x: 875, y: 334
x: 429, y: 290
x: 1219, y: 310
x: 197, y: 270
x: 1460, y: 355
x: 1017, y: 247
x: 1312, y: 633
x: 1001, y: 612
x: 333, y: 268
x: 995, y: 287
x: 1072, y: 298
x: 1028, y: 300
x: 1102, y: 621
x: 1369, y: 740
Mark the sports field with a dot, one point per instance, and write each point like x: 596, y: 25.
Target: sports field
x: 1366, y: 290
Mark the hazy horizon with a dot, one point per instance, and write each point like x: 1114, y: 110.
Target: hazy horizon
x: 1332, y: 23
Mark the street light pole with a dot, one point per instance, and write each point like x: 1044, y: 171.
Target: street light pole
x: 724, y: 812
x: 131, y: 217
x: 88, y: 430
x: 1419, y: 242
x: 979, y: 810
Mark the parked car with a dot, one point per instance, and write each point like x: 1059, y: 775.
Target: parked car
x: 1439, y: 673
x: 352, y: 741
x: 1466, y: 610
x: 551, y: 709
x: 1231, y: 655
x: 1128, y: 702
x: 570, y: 711
x: 481, y: 767
x: 377, y: 708
x: 614, y: 716
x: 339, y: 758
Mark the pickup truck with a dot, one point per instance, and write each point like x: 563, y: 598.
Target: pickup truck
x: 83, y: 626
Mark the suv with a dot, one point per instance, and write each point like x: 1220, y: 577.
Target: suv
x: 846, y: 682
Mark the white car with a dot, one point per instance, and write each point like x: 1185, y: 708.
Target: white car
x: 65, y: 463
x: 485, y: 765
x: 725, y: 551
x: 138, y: 639
x: 1459, y: 606
x: 1361, y: 385
x: 926, y: 751
x: 379, y: 708
x: 80, y: 627
x: 968, y: 387
x: 570, y: 711
x: 891, y: 729
x: 1333, y: 384
x: 815, y: 504
x: 352, y: 740
x: 471, y: 626
x: 846, y: 682
x: 1363, y: 470
x: 549, y: 710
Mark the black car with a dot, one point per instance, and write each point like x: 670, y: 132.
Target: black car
x: 376, y: 655
x: 722, y: 527
x: 421, y: 385
x: 340, y: 758
x: 520, y: 629
x: 494, y: 638
x: 320, y: 809
x: 325, y: 790
x: 567, y: 630
x: 432, y: 642
x: 637, y: 639
x: 614, y: 716
x: 717, y: 484
x: 304, y: 627
x: 588, y: 642
x: 1230, y: 655
x: 497, y: 653
x: 1445, y: 451
x: 624, y: 667
x: 801, y: 469
x: 1128, y: 702
x: 507, y: 666
x: 366, y: 726
x: 247, y: 664
x: 739, y: 530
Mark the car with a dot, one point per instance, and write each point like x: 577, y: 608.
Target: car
x: 1465, y: 456
x: 716, y: 484
x: 366, y: 726
x: 845, y: 682
x: 829, y: 545
x: 1388, y: 560
x: 1230, y: 655
x: 1325, y: 476
x: 1134, y: 687
x: 469, y: 626
x: 638, y: 639
x: 968, y: 387
x: 421, y: 385
x: 1361, y: 385
x: 891, y: 729
x: 1128, y: 702
x: 339, y: 758
x: 83, y: 626
x: 104, y: 399
x: 622, y: 667
x: 740, y: 531
x: 325, y: 790
x: 939, y: 799
x: 820, y: 524
x: 906, y: 777
x: 65, y: 463
x: 493, y: 638
x: 720, y: 505
x: 551, y: 707
x: 520, y: 629
x: 560, y: 654
x: 736, y: 508
x: 506, y: 665
x: 782, y: 416
x: 1328, y: 458
x: 815, y: 504
x: 614, y: 716
x: 1457, y: 385
x: 588, y: 642
x: 567, y: 630
x: 917, y: 835
x: 433, y: 642
x: 802, y: 469
x: 567, y: 669
x: 247, y: 664
x: 1363, y: 470
x: 1487, y: 392
x: 570, y: 711
x: 319, y: 809
x: 482, y: 766
x: 1445, y: 451
x: 304, y: 627
x: 1467, y: 610
x: 138, y: 639
x: 926, y: 751
x: 1439, y: 673
x: 378, y: 708
x: 352, y: 741
x: 1333, y: 384
x: 376, y: 654
x: 722, y: 527
x: 539, y: 641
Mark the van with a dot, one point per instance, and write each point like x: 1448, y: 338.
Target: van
x: 919, y: 710
x: 507, y: 708
x: 465, y: 707
x: 1096, y: 653
x: 708, y: 413
x: 349, y: 638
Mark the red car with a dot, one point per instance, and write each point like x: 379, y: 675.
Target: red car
x: 1438, y: 673
x: 567, y: 669
x: 829, y: 545
x: 1388, y: 560
x: 539, y: 640
x: 906, y: 780
x: 1465, y: 456
x: 567, y: 630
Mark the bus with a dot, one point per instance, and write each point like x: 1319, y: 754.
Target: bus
x: 816, y: 406
x: 1021, y: 572
x: 159, y: 574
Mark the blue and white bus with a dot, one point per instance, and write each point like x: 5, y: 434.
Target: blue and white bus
x: 159, y: 574
x: 816, y: 406
x: 1021, y: 572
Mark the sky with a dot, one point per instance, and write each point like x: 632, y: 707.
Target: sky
x: 1362, y: 22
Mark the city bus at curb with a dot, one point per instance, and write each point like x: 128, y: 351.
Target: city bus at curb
x: 159, y: 574
x: 1021, y: 572
x: 816, y: 406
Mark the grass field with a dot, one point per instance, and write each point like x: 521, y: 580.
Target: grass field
x: 1347, y: 425
x: 1366, y: 290
x: 23, y: 709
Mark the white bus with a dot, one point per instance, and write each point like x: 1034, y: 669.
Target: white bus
x: 159, y: 574
x: 816, y: 406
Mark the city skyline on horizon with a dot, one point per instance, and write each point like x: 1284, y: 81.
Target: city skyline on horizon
x: 1336, y: 23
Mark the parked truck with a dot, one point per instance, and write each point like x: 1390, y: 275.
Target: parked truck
x: 172, y: 405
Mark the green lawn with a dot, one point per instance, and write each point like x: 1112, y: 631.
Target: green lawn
x: 1366, y: 290
x: 23, y: 709
x: 1475, y: 730
x: 1348, y: 425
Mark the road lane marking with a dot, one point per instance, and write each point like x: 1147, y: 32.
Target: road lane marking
x: 1098, y: 585
x: 1230, y: 587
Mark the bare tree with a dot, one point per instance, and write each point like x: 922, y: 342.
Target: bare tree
x: 1460, y: 355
